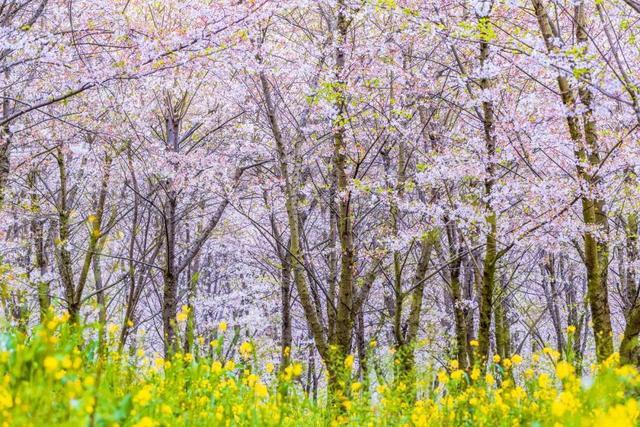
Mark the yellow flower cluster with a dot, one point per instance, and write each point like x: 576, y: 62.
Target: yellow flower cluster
x: 191, y: 388
x: 183, y: 315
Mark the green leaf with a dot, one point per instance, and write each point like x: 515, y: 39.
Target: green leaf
x: 124, y: 408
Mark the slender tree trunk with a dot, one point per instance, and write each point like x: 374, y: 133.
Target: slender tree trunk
x: 361, y: 345
x: 132, y: 295
x: 285, y: 302
x: 468, y: 293
x: 100, y: 294
x: 594, y: 213
x: 332, y: 258
x: 102, y: 303
x: 491, y: 253
x: 629, y: 347
x: 551, y: 295
x: 5, y: 147
x: 173, y: 120
x: 62, y: 252
x: 585, y: 140
x: 405, y: 357
x: 502, y: 332
x: 37, y: 232
x: 170, y: 292
x: 455, y: 263
x: 295, y: 246
x: 344, y: 317
x: 193, y: 276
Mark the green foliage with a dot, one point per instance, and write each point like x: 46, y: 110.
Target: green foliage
x: 485, y: 30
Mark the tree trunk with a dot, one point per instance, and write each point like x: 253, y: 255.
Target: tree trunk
x: 37, y: 232
x: 455, y: 263
x: 170, y: 292
x: 62, y: 252
x: 502, y: 332
x: 295, y: 246
x: 5, y: 147
x: 596, y: 253
x: 491, y: 254
x: 285, y: 303
x: 629, y: 348
x: 344, y: 317
x: 549, y: 284
x: 405, y: 358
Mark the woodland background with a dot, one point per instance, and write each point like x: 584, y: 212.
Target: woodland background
x: 430, y: 176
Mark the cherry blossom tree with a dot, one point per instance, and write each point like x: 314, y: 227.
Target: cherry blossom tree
x: 435, y: 180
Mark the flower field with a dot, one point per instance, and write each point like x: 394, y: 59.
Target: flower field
x: 52, y: 376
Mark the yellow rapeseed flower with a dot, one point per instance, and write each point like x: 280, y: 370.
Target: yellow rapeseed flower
x: 620, y: 415
x: 159, y: 362
x: 146, y: 422
x: 260, y: 389
x: 564, y: 403
x: 348, y: 361
x: 89, y: 407
x: 544, y: 381
x: 52, y: 324
x: 66, y: 362
x: 220, y: 413
x: 489, y: 379
x: 528, y: 374
x: 143, y: 397
x: 50, y: 364
x: 222, y: 327
x: 443, y: 377
x: 246, y: 349
x: 475, y: 373
x: 457, y: 375
x: 252, y: 379
x: 296, y: 369
x: 6, y: 401
x: 554, y: 354
x: 564, y: 370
